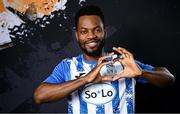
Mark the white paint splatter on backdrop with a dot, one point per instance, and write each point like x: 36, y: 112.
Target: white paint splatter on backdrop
x: 81, y: 1
x: 60, y: 5
x: 7, y: 20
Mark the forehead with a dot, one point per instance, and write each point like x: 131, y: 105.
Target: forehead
x: 89, y: 21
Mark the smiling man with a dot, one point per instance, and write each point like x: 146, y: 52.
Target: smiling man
x: 97, y: 82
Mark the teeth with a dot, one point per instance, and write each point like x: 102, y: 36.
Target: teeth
x: 92, y: 44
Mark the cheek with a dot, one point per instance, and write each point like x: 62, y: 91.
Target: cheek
x: 82, y: 38
x: 101, y: 36
x: 81, y: 41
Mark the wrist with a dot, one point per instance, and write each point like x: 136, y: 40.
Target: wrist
x: 143, y: 73
x: 84, y: 79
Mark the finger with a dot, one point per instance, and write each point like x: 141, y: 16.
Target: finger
x: 117, y: 77
x: 98, y: 68
x: 107, y: 78
x: 106, y: 56
x: 101, y: 59
x: 121, y: 75
x: 117, y: 59
x: 123, y: 52
x: 105, y: 63
x: 126, y: 51
x: 120, y: 51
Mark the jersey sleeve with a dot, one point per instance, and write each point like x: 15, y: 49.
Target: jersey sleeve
x: 59, y: 73
x: 144, y: 67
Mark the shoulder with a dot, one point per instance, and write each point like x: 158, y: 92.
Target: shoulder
x: 68, y: 61
x: 144, y: 66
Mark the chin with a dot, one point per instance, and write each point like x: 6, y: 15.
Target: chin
x: 93, y: 53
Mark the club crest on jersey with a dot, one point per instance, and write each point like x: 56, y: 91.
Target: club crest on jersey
x: 98, y: 93
x: 112, y: 70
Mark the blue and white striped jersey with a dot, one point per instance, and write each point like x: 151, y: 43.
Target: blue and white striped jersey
x: 102, y: 98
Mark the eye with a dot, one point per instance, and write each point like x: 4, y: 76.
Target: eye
x: 82, y: 32
x: 98, y: 30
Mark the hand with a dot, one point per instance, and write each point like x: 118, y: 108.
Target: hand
x: 131, y: 69
x: 94, y: 76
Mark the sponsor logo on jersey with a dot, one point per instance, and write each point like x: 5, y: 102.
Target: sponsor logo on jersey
x: 100, y: 93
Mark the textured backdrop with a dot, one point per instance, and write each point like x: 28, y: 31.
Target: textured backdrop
x: 34, y: 45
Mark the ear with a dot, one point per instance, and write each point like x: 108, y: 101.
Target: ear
x: 76, y: 34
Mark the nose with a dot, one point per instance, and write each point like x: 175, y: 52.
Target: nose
x: 91, y: 35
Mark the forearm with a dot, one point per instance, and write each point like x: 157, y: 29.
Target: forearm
x: 52, y: 92
x: 160, y: 77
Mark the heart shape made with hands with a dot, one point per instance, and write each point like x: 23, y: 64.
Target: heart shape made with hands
x: 112, y: 70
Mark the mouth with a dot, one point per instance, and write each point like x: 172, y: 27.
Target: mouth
x: 92, y: 44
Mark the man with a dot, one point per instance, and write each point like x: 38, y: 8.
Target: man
x: 96, y: 82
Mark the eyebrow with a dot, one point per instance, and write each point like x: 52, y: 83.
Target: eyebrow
x: 87, y: 28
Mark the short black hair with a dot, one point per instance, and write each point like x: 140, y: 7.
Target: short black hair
x: 88, y: 10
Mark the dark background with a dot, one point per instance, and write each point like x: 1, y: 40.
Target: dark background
x: 149, y: 29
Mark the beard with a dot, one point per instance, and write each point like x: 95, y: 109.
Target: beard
x: 93, y: 52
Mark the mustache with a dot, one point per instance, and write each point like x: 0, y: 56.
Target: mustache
x: 92, y: 40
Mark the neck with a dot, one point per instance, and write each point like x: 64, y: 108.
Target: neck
x: 91, y: 58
